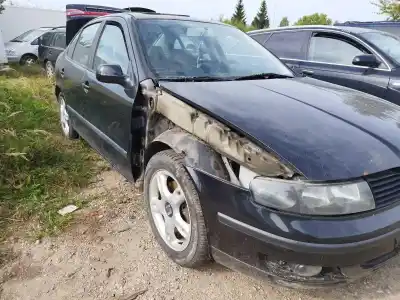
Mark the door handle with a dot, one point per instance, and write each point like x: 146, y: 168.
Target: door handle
x: 86, y: 86
x: 50, y: 52
x: 62, y: 73
x: 308, y: 72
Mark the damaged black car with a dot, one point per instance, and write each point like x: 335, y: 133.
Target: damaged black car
x: 240, y: 160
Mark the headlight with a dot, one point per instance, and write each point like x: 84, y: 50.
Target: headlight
x: 10, y: 52
x: 313, y: 199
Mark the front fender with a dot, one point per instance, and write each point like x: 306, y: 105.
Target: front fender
x: 196, y: 153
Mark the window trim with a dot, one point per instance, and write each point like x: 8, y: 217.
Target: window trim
x: 348, y: 35
x: 100, y: 22
x: 112, y: 22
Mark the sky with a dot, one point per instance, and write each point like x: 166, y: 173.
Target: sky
x: 337, y: 10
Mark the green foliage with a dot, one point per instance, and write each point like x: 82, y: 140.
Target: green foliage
x: 390, y: 8
x: 284, y: 22
x: 243, y: 27
x: 315, y: 19
x: 1, y: 5
x: 240, y: 15
x: 261, y: 20
x: 39, y: 169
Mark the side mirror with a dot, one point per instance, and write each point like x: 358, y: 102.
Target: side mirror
x: 366, y: 60
x: 111, y: 74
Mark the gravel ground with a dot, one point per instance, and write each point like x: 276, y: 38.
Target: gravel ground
x: 111, y: 254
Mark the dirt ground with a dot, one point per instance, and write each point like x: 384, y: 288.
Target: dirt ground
x: 111, y: 254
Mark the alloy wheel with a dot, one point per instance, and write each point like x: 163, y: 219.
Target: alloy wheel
x: 169, y: 210
x: 64, y: 117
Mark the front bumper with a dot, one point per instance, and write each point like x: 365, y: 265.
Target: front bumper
x: 14, y: 59
x: 262, y: 242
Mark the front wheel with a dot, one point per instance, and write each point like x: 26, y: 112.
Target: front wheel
x: 66, y: 126
x: 28, y: 60
x: 174, y: 210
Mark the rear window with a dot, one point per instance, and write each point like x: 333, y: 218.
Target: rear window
x: 290, y: 44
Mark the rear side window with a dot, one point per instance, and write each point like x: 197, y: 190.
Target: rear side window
x: 84, y: 44
x: 45, y: 39
x: 261, y: 38
x: 290, y: 44
x: 59, y: 41
x: 112, y: 48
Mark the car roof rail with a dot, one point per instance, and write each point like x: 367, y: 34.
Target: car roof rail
x: 140, y: 9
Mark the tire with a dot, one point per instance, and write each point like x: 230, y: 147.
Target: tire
x: 28, y: 60
x: 65, y: 122
x: 49, y: 69
x: 196, y: 253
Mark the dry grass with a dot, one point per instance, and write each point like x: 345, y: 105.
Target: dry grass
x: 39, y: 169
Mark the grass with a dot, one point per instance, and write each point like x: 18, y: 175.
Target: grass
x: 39, y: 169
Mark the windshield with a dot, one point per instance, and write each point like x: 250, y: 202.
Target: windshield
x: 179, y: 49
x: 388, y: 43
x: 29, y: 35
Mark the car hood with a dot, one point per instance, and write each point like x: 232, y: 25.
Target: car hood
x: 326, y: 131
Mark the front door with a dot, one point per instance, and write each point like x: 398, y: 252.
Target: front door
x: 109, y: 106
x: 330, y: 58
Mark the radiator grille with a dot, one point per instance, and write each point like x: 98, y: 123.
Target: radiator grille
x: 385, y: 187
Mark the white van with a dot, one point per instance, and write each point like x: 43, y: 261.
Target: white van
x: 3, y: 56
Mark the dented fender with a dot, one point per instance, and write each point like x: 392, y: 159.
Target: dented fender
x: 196, y: 153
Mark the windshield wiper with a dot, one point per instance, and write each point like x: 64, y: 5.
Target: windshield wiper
x: 195, y: 79
x: 263, y: 76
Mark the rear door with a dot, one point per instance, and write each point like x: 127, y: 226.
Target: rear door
x: 289, y: 46
x: 77, y: 63
x: 44, y: 43
x: 57, y: 46
x: 330, y: 58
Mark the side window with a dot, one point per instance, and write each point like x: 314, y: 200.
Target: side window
x: 261, y: 38
x: 45, y: 39
x: 112, y: 48
x: 289, y: 44
x: 71, y: 46
x: 84, y: 44
x: 59, y: 40
x: 332, y: 49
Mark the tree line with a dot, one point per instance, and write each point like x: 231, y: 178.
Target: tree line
x: 389, y: 8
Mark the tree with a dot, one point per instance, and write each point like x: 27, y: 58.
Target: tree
x: 390, y: 8
x: 261, y: 20
x: 239, y: 16
x: 239, y: 25
x: 1, y: 5
x: 284, y: 22
x: 315, y: 19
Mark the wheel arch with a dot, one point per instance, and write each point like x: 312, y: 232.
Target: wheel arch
x: 196, y: 153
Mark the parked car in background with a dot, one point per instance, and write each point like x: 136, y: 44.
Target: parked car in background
x: 392, y: 27
x: 3, y: 56
x: 24, y: 48
x: 359, y: 58
x: 51, y: 44
x: 242, y: 161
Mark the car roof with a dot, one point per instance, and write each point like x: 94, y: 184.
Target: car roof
x: 161, y: 16
x: 348, y: 29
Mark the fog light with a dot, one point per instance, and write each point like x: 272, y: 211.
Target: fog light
x: 306, y: 271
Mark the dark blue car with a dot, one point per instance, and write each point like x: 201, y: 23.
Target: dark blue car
x: 363, y: 59
x: 240, y: 159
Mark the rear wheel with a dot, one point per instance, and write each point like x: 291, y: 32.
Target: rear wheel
x: 49, y: 69
x: 66, y: 126
x: 28, y: 60
x: 174, y: 210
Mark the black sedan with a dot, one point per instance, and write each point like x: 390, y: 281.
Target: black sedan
x: 242, y: 161
x: 359, y: 58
